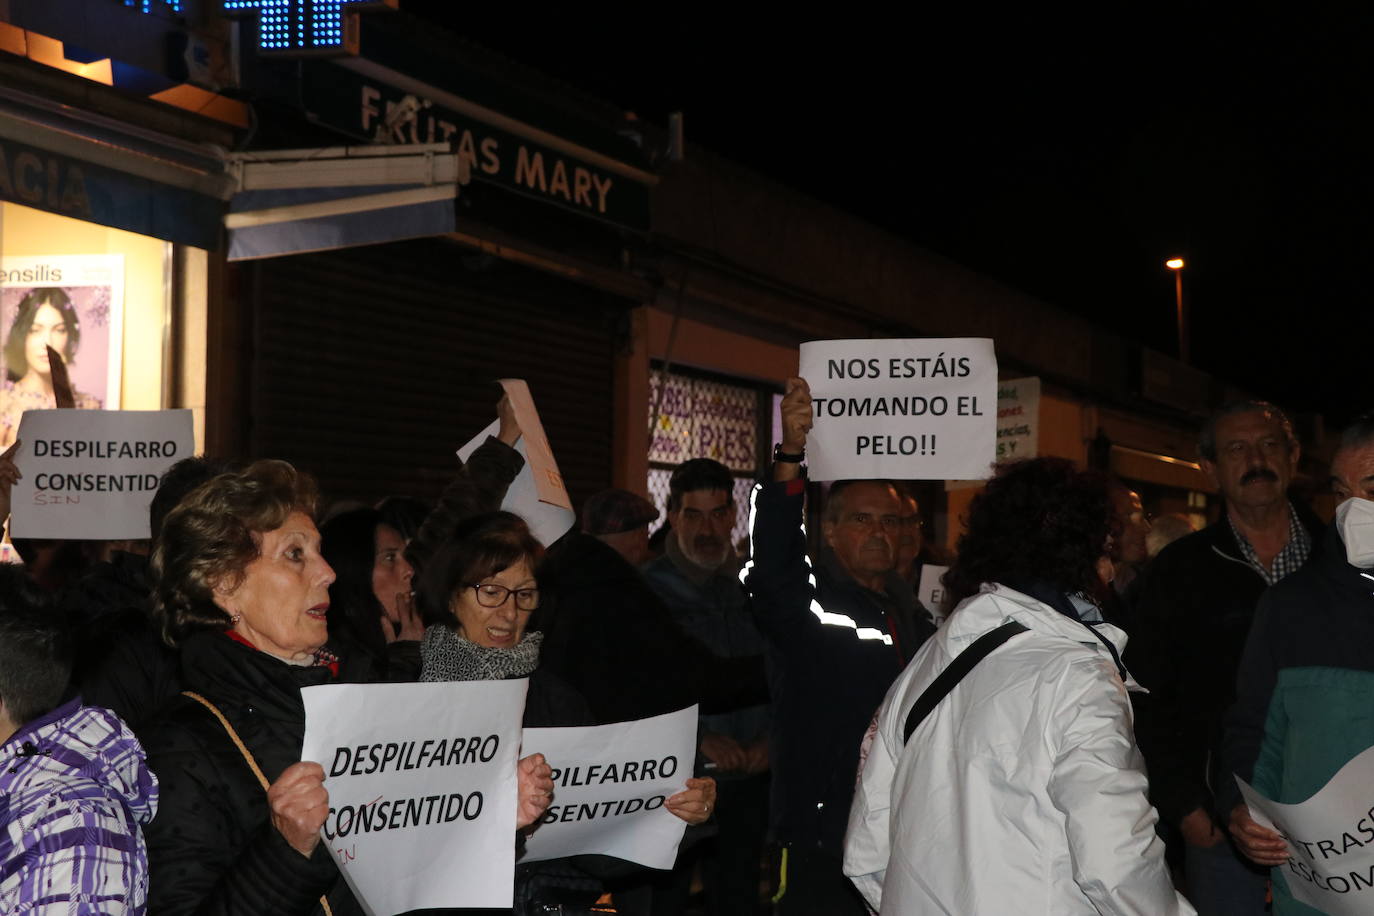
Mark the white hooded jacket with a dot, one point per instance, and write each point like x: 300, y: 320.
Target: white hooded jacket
x: 1022, y: 792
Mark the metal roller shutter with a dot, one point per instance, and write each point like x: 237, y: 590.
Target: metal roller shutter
x: 372, y: 365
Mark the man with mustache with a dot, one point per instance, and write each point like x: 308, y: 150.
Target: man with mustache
x: 838, y: 635
x: 698, y: 579
x: 1197, y: 601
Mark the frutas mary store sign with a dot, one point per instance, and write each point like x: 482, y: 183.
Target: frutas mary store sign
x: 369, y: 108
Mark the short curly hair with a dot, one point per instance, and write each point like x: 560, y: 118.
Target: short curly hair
x: 1039, y: 520
x: 213, y: 534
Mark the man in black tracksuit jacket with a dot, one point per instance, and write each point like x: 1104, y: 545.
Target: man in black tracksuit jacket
x: 834, y: 649
x: 1196, y: 603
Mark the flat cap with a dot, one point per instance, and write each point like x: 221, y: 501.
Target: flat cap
x: 613, y: 511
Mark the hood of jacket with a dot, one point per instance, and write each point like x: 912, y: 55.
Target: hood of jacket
x: 76, y: 751
x: 995, y: 604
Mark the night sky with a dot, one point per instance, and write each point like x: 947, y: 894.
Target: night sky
x: 1068, y: 157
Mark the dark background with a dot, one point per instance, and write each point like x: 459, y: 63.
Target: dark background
x: 1066, y: 154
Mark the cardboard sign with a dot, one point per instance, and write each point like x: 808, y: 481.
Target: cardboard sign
x: 1330, y: 839
x: 610, y: 783
x: 915, y: 409
x: 90, y: 474
x: 548, y: 483
x: 422, y: 789
x: 537, y: 494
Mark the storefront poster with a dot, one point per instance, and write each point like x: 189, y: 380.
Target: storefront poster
x: 422, y: 789
x: 610, y: 785
x: 91, y: 474
x: 697, y: 418
x: 75, y: 303
x: 912, y: 409
x: 1330, y: 839
x: 1018, y: 424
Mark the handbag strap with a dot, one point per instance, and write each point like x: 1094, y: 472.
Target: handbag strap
x: 233, y: 736
x: 956, y: 672
x: 247, y: 757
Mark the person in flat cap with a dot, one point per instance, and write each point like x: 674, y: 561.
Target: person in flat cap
x: 620, y: 519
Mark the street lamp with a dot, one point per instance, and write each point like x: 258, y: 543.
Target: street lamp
x: 1176, y: 265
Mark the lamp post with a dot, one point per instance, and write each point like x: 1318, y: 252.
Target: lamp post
x: 1176, y: 265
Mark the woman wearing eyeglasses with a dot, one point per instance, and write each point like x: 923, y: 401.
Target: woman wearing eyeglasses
x: 477, y: 593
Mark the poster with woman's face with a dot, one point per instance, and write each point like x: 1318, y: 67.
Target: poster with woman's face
x: 72, y: 303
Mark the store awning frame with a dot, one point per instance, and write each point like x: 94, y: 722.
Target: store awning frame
x: 294, y: 201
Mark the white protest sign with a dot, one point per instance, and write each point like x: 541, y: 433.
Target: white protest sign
x: 538, y: 456
x: 1330, y: 839
x: 422, y: 789
x: 610, y: 782
x: 931, y: 591
x: 90, y: 474
x: 915, y: 409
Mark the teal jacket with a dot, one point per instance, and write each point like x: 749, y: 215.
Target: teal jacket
x: 1305, y: 690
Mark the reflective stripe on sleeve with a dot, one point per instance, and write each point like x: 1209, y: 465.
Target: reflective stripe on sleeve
x: 827, y: 618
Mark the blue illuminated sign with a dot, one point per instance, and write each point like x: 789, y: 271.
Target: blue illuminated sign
x: 157, y: 6
x: 294, y: 26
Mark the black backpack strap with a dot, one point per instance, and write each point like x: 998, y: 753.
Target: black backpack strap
x: 957, y: 670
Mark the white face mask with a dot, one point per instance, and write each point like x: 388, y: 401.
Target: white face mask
x: 1355, y: 521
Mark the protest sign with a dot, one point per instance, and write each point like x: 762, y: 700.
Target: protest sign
x: 422, y: 789
x: 931, y: 591
x: 537, y: 494
x: 1330, y: 839
x: 90, y: 474
x: 538, y: 456
x: 610, y: 783
x: 915, y: 409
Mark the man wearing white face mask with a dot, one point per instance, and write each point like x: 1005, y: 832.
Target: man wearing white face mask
x: 1306, y: 680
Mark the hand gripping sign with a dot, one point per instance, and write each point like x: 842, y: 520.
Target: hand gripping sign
x: 422, y: 789
x: 610, y: 783
x: 1330, y: 839
x: 915, y: 409
x: 92, y: 473
x: 537, y: 494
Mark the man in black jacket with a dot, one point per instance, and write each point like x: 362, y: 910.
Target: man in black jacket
x: 1196, y: 604
x: 837, y: 639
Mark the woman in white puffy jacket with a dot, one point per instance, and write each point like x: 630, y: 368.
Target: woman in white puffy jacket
x: 1021, y: 790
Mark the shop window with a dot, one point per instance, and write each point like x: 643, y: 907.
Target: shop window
x: 699, y: 415
x: 102, y: 297
x: 99, y: 295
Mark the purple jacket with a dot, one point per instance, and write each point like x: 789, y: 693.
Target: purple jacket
x: 74, y: 789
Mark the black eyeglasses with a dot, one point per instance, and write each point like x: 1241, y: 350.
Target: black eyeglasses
x: 489, y: 594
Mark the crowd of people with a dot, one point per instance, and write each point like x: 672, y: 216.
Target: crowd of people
x: 1061, y: 735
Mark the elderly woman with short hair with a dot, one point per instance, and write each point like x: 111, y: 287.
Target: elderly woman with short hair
x: 242, y: 590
